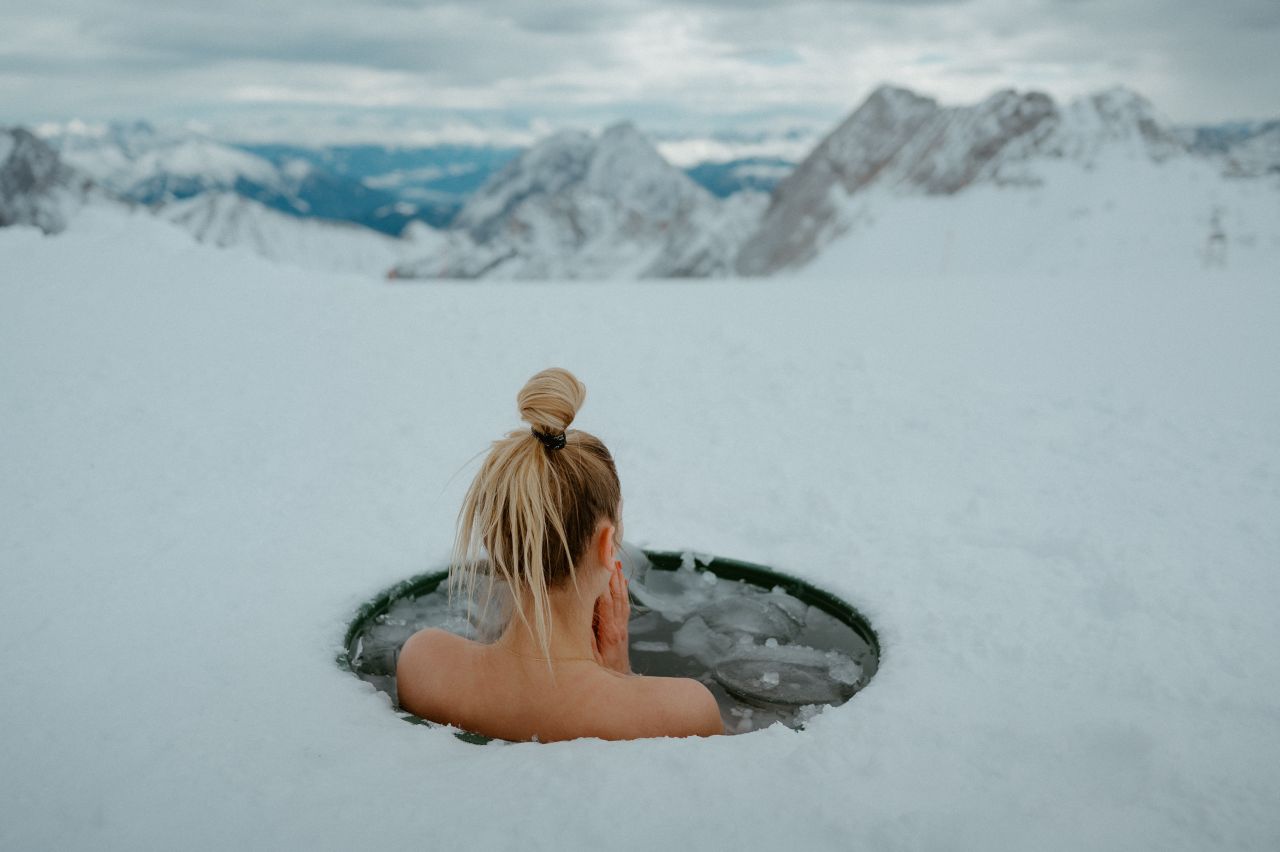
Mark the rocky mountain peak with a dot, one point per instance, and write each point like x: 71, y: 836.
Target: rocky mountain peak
x: 578, y: 205
x: 905, y: 143
x: 36, y: 187
x: 1116, y: 118
x: 620, y: 168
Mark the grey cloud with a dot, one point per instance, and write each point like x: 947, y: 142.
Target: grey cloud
x: 468, y: 50
x: 1191, y: 58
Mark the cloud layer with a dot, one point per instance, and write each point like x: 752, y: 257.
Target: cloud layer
x: 687, y: 65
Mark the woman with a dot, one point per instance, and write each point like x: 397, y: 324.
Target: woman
x: 546, y: 508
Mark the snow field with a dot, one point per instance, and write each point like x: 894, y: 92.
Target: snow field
x: 1055, y: 499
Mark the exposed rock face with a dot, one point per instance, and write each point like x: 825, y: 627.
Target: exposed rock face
x: 577, y: 206
x: 36, y: 187
x: 907, y: 143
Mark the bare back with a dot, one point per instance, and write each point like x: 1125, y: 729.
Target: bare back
x: 479, y: 688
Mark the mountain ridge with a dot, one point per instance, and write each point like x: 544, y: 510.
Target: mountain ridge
x: 576, y: 205
x: 908, y: 144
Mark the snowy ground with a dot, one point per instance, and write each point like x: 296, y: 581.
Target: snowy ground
x: 1056, y: 499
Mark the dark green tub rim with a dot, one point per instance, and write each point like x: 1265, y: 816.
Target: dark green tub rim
x: 662, y: 560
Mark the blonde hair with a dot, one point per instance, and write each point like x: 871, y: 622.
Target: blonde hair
x: 534, y: 508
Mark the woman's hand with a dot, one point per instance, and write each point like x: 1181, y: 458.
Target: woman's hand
x: 609, y: 624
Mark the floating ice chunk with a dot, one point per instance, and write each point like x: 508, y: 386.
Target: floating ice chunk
x: 771, y: 642
x: 843, y: 669
x: 806, y: 712
x: 769, y: 683
x: 754, y: 615
x: 674, y: 594
x: 695, y: 639
x: 651, y: 647
x: 642, y: 624
x: 793, y: 607
x: 745, y: 719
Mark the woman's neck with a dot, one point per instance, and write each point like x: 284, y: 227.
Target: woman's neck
x: 570, y: 635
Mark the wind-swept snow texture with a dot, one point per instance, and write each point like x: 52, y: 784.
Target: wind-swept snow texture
x: 1056, y: 500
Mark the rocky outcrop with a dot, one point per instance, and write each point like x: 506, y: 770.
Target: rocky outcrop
x: 36, y: 187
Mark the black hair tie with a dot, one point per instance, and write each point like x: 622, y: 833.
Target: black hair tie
x: 551, y: 442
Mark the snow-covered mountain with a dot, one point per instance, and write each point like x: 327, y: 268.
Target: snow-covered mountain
x: 140, y: 162
x: 1249, y: 148
x: 583, y: 206
x: 228, y: 220
x: 1256, y: 154
x: 908, y: 143
x: 36, y: 186
x: 1103, y: 176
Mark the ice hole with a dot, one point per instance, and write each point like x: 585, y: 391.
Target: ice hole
x: 770, y: 647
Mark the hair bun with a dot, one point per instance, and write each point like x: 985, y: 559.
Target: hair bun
x: 549, y: 401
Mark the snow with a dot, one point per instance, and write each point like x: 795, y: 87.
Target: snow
x: 1121, y: 214
x: 690, y: 151
x: 583, y: 207
x: 228, y: 220
x: 123, y: 157
x: 1053, y: 496
x: 1257, y: 155
x: 296, y: 170
x: 205, y: 160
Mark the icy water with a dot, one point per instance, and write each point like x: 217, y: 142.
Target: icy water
x: 766, y: 655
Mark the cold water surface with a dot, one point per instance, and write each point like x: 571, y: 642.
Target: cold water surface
x: 765, y: 655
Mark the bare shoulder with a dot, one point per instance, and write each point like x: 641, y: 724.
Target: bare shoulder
x: 681, y: 706
x: 428, y: 643
x: 423, y: 658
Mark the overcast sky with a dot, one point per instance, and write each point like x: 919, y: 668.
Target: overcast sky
x: 378, y: 68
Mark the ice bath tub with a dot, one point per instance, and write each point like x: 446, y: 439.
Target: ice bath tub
x: 770, y: 647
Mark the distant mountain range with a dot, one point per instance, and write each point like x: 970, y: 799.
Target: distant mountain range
x: 380, y: 187
x: 577, y: 205
x: 142, y: 164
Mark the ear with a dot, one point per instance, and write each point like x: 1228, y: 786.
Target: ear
x: 603, y: 544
